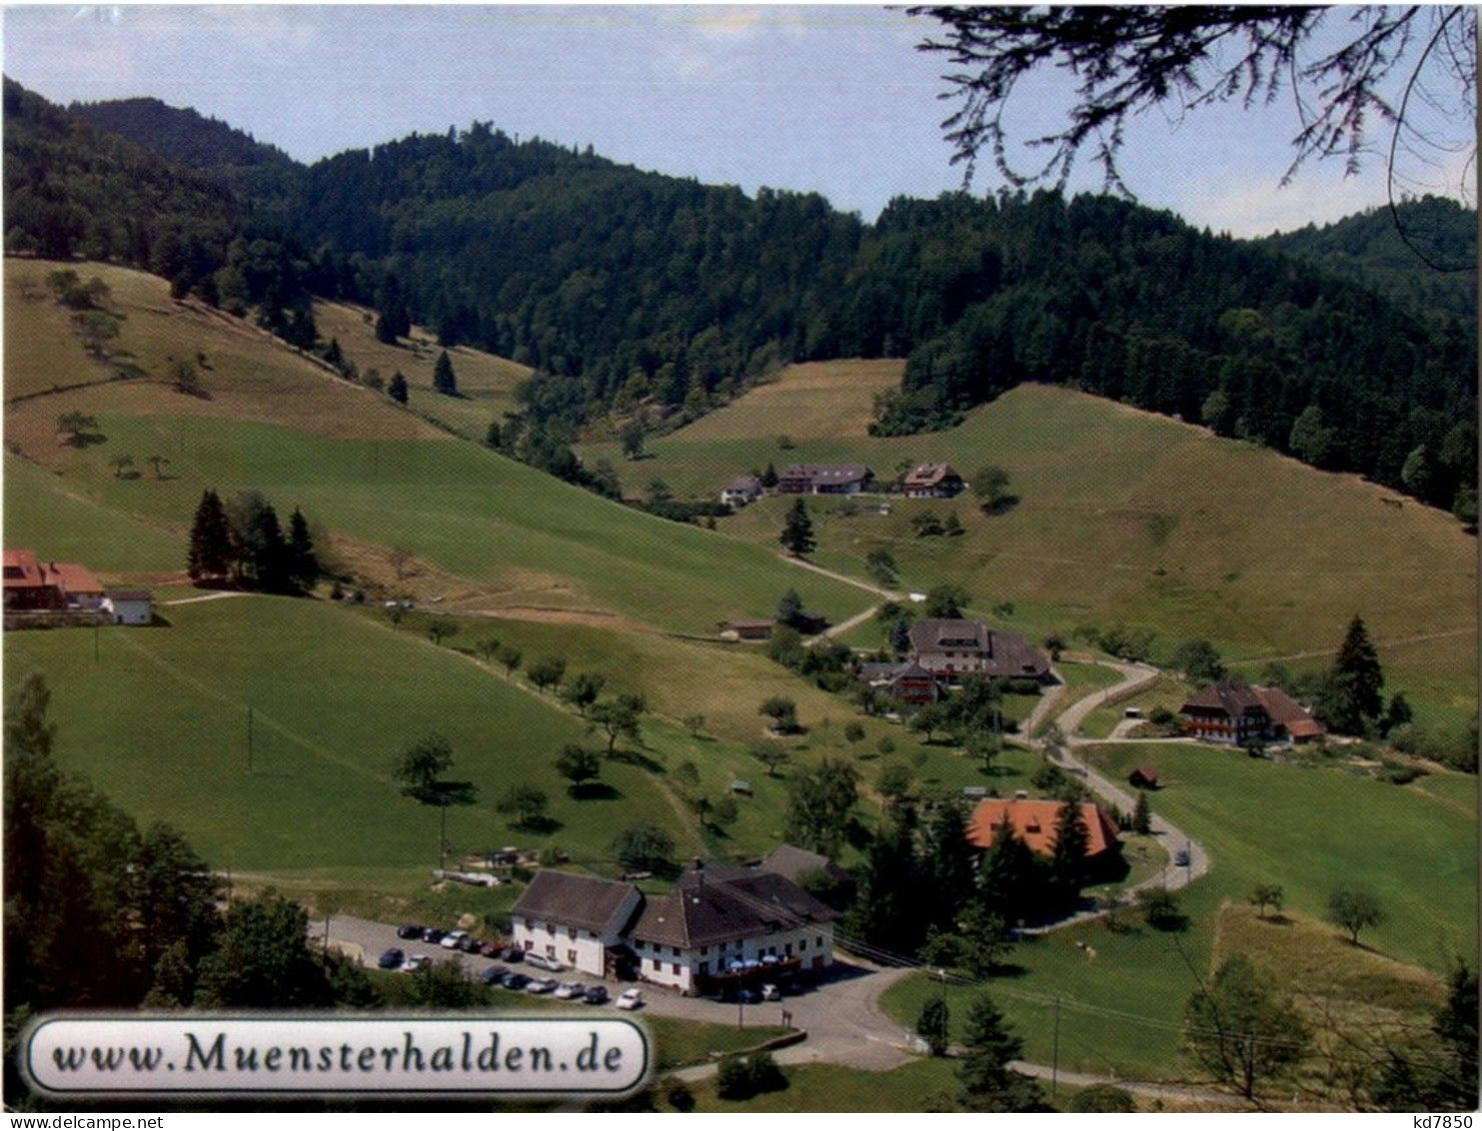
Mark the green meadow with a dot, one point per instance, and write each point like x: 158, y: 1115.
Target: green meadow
x: 159, y: 722
x: 1122, y: 991
x: 1123, y: 517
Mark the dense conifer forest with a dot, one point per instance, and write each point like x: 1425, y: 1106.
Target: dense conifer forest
x: 625, y: 288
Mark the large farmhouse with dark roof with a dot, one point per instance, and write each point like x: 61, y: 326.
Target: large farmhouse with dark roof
x: 949, y: 648
x: 820, y: 479
x: 1237, y: 713
x: 577, y: 920
x: 720, y: 923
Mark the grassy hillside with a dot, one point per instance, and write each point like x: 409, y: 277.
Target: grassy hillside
x: 377, y: 475
x: 486, y: 383
x: 1309, y: 830
x: 1125, y: 517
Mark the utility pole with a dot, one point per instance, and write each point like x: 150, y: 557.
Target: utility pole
x: 249, y: 740
x: 1055, y: 1055
x: 442, y: 835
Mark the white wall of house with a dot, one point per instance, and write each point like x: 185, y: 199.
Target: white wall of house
x: 575, y: 947
x: 680, y: 968
x: 129, y: 612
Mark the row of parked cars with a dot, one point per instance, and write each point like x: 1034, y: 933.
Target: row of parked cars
x: 453, y: 940
x: 502, y: 976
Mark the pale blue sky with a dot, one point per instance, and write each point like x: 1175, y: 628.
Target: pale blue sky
x: 834, y: 99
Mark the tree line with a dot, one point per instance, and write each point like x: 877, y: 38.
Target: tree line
x: 629, y: 290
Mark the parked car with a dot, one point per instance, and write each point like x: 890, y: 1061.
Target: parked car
x: 771, y: 993
x: 568, y: 990
x: 629, y: 999
x: 494, y: 975
x: 514, y: 980
x: 512, y: 954
x: 433, y: 934
x: 491, y: 949
x: 541, y: 962
x: 596, y: 995
x: 470, y: 945
x: 541, y: 986
x: 409, y: 931
x: 414, y: 963
x: 392, y: 959
x: 1181, y: 859
x: 451, y: 940
x: 748, y: 997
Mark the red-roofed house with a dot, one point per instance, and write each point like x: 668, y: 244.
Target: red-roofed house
x: 27, y: 585
x: 79, y: 585
x: 1034, y: 823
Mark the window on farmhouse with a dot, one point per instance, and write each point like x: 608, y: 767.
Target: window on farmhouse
x: 676, y: 968
x: 571, y: 957
x: 658, y: 965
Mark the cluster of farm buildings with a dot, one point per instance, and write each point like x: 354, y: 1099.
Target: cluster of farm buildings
x: 725, y: 925
x: 38, y: 588
x: 925, y: 481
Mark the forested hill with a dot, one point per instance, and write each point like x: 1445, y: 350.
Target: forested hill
x: 624, y: 288
x: 1372, y: 248
x: 180, y: 136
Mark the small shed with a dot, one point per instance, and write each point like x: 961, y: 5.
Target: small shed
x: 746, y: 629
x: 739, y: 786
x: 1145, y: 776
x: 129, y: 606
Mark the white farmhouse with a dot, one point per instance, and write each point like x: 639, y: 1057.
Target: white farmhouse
x: 723, y: 923
x: 576, y: 920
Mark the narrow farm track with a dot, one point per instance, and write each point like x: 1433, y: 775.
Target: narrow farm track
x: 1393, y: 642
x: 868, y: 587
x: 1134, y: 677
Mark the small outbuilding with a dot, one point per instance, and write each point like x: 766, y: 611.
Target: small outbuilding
x: 1144, y: 777
x: 129, y: 606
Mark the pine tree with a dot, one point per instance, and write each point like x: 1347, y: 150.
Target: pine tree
x: 443, y: 378
x: 303, y: 563
x: 769, y: 477
x: 797, y: 533
x: 1356, y: 681
x: 1068, y: 859
x: 790, y: 609
x: 988, y: 1083
x: 1142, y: 816
x: 1008, y: 877
x: 397, y: 390
x: 900, y: 636
x: 267, y: 552
x: 210, y: 550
